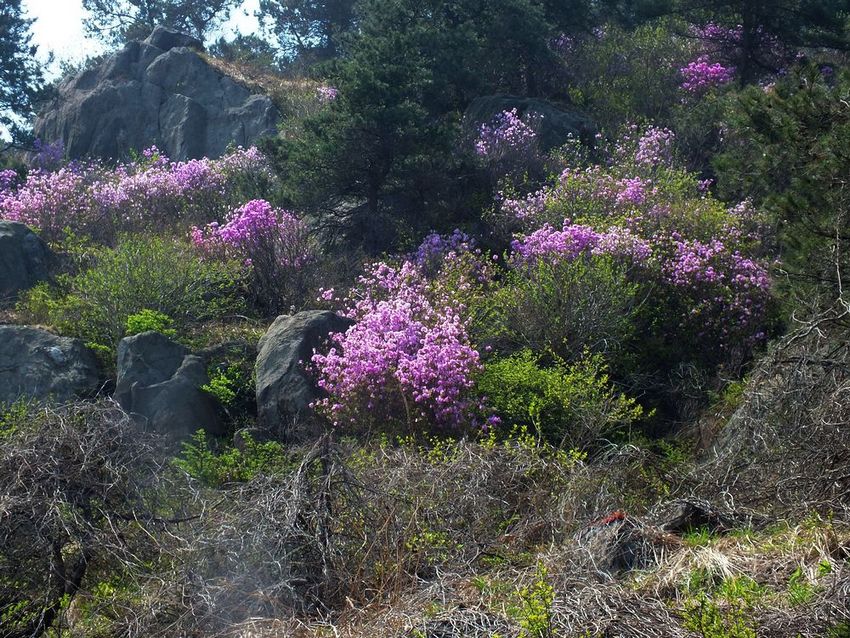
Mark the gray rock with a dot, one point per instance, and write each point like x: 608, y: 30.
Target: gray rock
x: 24, y: 259
x: 159, y: 91
x: 618, y: 543
x: 557, y: 126
x: 37, y: 364
x: 165, y: 39
x: 284, y: 390
x: 159, y: 384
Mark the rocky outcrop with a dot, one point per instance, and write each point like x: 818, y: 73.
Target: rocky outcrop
x: 159, y: 384
x: 557, y: 125
x: 24, y: 259
x: 36, y: 364
x: 158, y: 91
x: 284, y: 390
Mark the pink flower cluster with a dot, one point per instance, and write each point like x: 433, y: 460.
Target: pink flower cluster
x: 701, y: 74
x: 507, y: 134
x: 632, y: 191
x: 435, y: 247
x: 712, y: 32
x: 727, y: 292
x: 409, y: 353
x: 8, y: 178
x: 151, y: 193
x: 257, y: 227
x: 655, y: 147
x: 326, y: 94
x: 574, y: 240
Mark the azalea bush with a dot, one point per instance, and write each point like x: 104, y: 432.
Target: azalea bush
x: 151, y: 193
x: 409, y: 360
x: 699, y: 265
x: 273, y: 244
x: 508, y: 143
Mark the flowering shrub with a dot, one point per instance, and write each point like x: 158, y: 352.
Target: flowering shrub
x: 274, y: 244
x: 435, y: 248
x: 697, y: 261
x: 8, y: 177
x: 407, y: 354
x: 508, y: 143
x: 576, y: 239
x: 409, y: 358
x: 48, y: 156
x: 701, y: 74
x: 726, y: 293
x: 151, y: 193
x: 655, y: 147
x: 326, y: 94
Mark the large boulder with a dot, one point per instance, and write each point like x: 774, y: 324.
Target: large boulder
x: 24, y: 259
x: 36, y: 364
x: 284, y: 390
x: 557, y: 126
x: 159, y: 384
x: 158, y: 91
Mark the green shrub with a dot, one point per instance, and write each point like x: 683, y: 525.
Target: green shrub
x: 617, y: 76
x: 564, y: 307
x: 149, y: 319
x: 727, y: 612
x: 143, y: 277
x: 568, y: 404
x: 533, y: 607
x: 200, y: 460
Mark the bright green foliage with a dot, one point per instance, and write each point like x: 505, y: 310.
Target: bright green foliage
x: 214, y: 468
x: 141, y: 273
x: 149, y: 319
x: 13, y: 418
x: 533, y: 606
x: 223, y: 385
x: 726, y: 612
x: 570, y: 405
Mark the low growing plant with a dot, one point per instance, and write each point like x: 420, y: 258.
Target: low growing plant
x: 146, y: 278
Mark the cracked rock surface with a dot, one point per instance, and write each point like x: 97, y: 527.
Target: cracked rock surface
x: 159, y: 91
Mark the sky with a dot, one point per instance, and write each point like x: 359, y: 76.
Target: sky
x: 58, y: 28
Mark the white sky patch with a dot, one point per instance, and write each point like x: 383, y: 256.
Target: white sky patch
x: 58, y: 28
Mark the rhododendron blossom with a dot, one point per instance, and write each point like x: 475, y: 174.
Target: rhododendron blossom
x: 701, y: 75
x: 507, y: 134
x: 408, y: 353
x: 257, y: 226
x: 326, y: 94
x: 575, y: 240
x: 154, y: 192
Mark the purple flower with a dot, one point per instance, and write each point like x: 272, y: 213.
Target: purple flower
x: 507, y: 134
x: 326, y: 94
x: 409, y: 353
x: 701, y: 75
